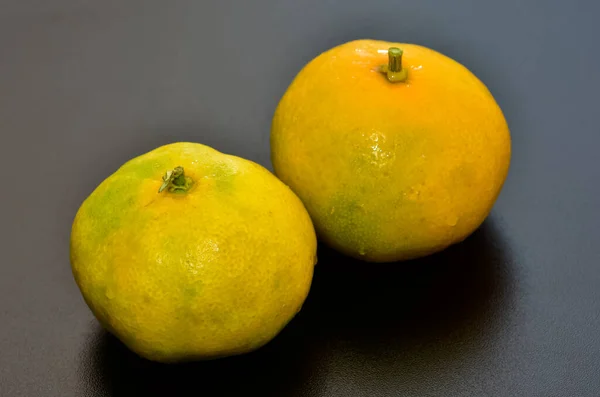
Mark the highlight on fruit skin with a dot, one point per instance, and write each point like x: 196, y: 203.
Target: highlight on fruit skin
x: 396, y: 150
x: 185, y: 253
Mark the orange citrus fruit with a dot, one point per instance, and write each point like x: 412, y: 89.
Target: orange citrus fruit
x: 209, y: 259
x: 396, y: 150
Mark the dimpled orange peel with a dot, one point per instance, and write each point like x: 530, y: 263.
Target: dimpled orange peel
x: 186, y: 253
x: 396, y: 150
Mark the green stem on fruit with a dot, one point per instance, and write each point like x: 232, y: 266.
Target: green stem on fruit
x: 175, y: 181
x: 394, y: 70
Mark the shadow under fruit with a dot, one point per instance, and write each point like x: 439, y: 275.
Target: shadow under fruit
x: 406, y: 320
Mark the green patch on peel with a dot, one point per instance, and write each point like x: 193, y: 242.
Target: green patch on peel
x: 223, y: 174
x: 114, y: 201
x: 106, y: 208
x: 146, y: 167
x: 192, y: 291
x: 349, y: 219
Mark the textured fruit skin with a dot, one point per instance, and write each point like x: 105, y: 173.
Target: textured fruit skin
x: 214, y: 272
x: 389, y: 171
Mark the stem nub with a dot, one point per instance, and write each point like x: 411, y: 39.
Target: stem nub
x: 175, y: 181
x: 394, y: 70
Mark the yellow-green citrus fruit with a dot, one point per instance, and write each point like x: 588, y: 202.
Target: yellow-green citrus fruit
x: 214, y: 265
x: 395, y: 155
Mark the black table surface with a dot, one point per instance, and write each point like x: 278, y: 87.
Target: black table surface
x: 512, y: 311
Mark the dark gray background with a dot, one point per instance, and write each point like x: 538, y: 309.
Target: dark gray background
x: 513, y: 311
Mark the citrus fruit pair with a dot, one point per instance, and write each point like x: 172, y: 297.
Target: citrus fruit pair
x: 186, y: 253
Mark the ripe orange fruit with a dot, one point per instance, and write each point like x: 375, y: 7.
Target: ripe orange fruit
x: 395, y: 155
